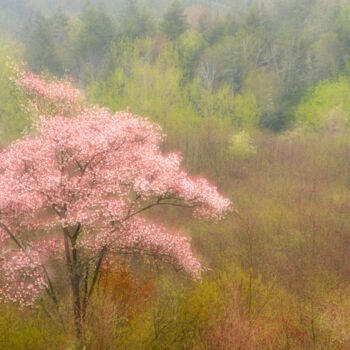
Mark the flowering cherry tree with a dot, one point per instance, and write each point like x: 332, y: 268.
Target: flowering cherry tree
x: 75, y: 191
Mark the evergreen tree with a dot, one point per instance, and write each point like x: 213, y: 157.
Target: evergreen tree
x: 190, y: 48
x: 92, y: 40
x: 13, y: 15
x: 59, y: 25
x: 40, y: 50
x: 174, y: 21
x: 135, y: 23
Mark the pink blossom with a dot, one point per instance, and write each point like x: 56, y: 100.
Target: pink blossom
x: 92, y: 174
x: 54, y: 97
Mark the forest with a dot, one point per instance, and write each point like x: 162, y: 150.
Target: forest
x: 252, y: 95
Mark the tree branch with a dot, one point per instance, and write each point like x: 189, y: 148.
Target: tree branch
x: 88, y: 293
x: 158, y: 202
x: 97, y: 269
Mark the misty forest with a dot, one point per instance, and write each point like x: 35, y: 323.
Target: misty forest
x: 174, y: 174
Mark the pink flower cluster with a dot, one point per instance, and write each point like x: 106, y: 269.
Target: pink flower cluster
x: 54, y: 97
x: 57, y: 90
x: 21, y: 278
x: 139, y: 237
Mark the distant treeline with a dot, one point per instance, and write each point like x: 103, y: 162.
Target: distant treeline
x: 247, y: 64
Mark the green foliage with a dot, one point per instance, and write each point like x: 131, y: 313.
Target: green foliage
x: 247, y: 110
x: 325, y: 57
x: 13, y: 13
x: 266, y: 87
x: 216, y: 32
x: 174, y: 21
x: 341, y: 25
x: 30, y: 330
x: 40, y: 52
x: 190, y: 48
x: 274, y: 49
x: 242, y: 145
x: 327, y: 106
x: 240, y: 110
x: 181, y: 316
x: 135, y: 22
x: 92, y: 39
x: 60, y: 28
x: 194, y: 117
x: 13, y: 120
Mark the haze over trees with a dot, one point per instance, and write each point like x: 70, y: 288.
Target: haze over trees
x: 255, y: 96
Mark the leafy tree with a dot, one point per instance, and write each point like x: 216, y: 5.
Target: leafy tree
x: 98, y: 172
x: 325, y: 57
x: 327, y: 106
x: 253, y: 21
x: 60, y: 34
x: 240, y: 110
x: 135, y: 22
x: 216, y: 32
x: 196, y: 116
x: 92, y: 40
x: 13, y: 14
x: 341, y: 25
x: 266, y: 87
x: 145, y: 87
x: 59, y: 26
x: 190, y: 49
x: 174, y: 21
x: 13, y: 120
x: 40, y: 50
x: 237, y: 56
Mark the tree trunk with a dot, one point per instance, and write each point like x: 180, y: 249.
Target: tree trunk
x: 74, y: 276
x: 77, y: 308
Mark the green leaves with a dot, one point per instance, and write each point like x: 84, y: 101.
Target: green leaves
x: 13, y: 120
x: 174, y: 21
x: 326, y: 107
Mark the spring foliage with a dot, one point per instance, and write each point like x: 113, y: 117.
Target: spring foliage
x: 326, y: 107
